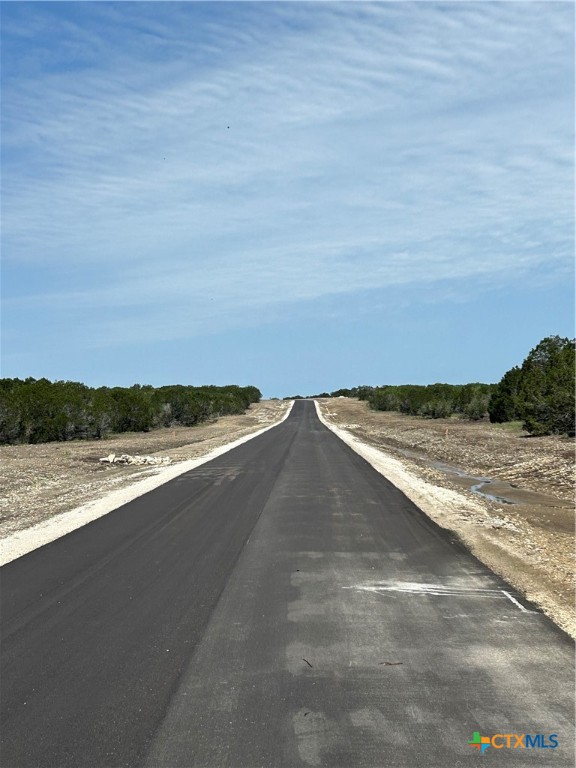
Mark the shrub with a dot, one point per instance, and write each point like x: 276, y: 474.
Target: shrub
x: 34, y: 411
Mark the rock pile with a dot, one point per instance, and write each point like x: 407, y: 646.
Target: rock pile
x: 127, y: 459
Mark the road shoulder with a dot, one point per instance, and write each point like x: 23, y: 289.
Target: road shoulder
x: 537, y: 562
x: 59, y: 519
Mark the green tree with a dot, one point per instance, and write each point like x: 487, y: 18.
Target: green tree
x: 503, y: 405
x: 546, y: 401
x: 477, y: 407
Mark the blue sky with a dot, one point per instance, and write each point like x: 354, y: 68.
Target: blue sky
x: 300, y: 196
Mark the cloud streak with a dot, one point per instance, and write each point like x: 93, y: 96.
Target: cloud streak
x: 176, y: 162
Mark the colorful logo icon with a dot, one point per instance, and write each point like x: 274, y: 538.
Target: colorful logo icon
x: 480, y: 742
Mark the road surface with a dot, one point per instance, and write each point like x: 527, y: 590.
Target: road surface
x: 281, y: 605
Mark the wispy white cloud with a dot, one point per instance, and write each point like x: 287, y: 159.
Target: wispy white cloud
x: 174, y: 163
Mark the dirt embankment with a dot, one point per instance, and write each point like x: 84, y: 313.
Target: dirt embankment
x: 508, y: 496
x: 42, y: 481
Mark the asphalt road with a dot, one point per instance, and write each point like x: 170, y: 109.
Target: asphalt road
x: 282, y: 605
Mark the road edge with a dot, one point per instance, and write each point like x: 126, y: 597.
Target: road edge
x: 430, y: 505
x: 27, y: 540
x: 394, y: 471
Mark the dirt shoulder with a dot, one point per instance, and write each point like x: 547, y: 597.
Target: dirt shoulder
x: 509, y: 497
x: 40, y: 482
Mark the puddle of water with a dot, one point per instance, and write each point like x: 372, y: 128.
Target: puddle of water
x: 476, y: 484
x: 471, y: 482
x: 477, y: 489
x: 488, y: 487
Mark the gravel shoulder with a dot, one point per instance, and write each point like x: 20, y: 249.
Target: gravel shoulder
x: 509, y: 497
x: 45, y: 481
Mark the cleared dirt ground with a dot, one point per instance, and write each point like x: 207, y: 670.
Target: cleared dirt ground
x: 519, y: 520
x: 41, y: 481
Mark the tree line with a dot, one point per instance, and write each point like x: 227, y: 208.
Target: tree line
x: 431, y: 401
x: 434, y: 401
x: 38, y: 410
x: 539, y: 393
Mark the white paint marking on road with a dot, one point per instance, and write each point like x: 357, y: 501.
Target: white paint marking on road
x: 513, y: 600
x: 416, y: 588
x: 428, y: 589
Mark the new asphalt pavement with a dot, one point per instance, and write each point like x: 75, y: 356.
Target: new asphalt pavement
x: 282, y: 605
